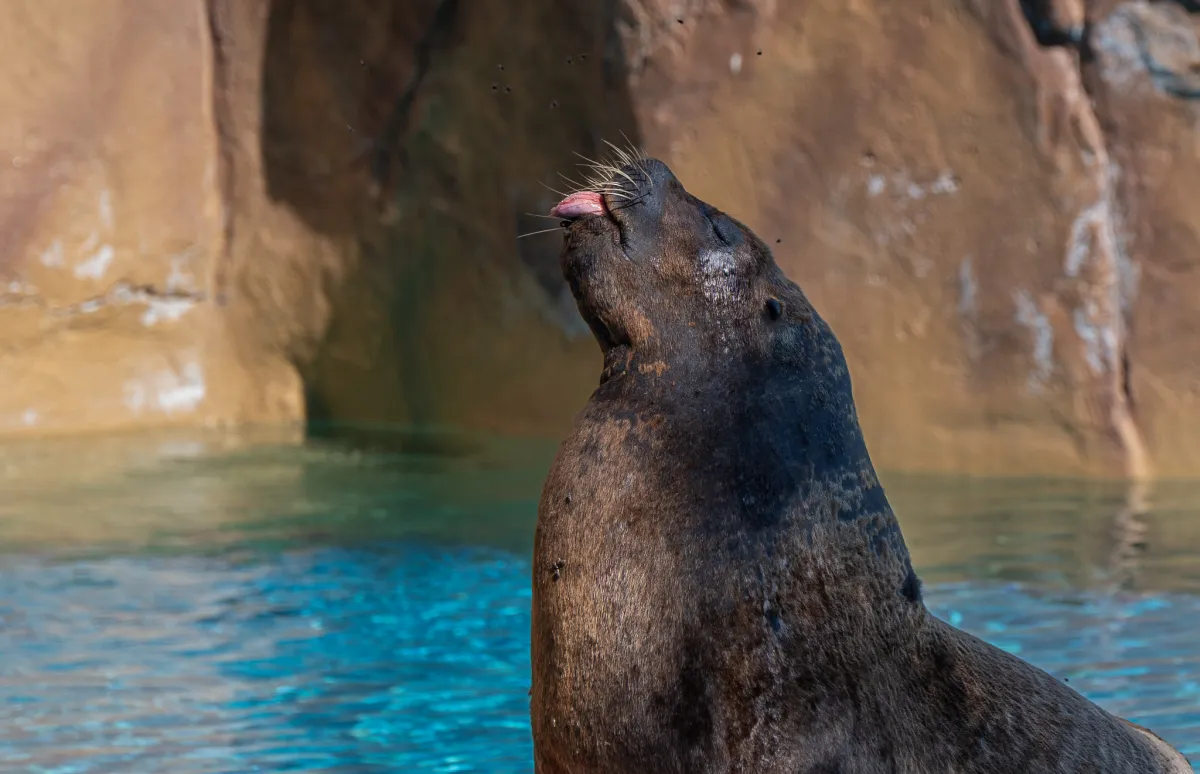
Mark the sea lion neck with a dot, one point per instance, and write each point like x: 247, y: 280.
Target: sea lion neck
x: 676, y: 355
x: 781, y: 425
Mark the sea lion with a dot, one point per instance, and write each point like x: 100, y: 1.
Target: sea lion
x: 719, y: 582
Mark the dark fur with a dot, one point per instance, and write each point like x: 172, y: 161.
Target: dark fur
x: 719, y: 583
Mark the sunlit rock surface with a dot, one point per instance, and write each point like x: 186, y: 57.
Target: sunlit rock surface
x: 241, y: 212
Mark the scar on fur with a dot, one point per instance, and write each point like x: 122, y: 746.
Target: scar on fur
x: 657, y: 367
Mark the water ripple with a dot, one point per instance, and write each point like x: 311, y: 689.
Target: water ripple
x: 414, y: 657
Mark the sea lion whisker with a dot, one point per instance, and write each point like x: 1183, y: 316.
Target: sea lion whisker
x: 591, y: 162
x: 627, y: 158
x: 600, y: 189
x: 625, y: 175
x: 595, y: 182
x: 629, y: 202
x: 639, y: 155
x: 608, y: 171
x: 617, y: 193
x: 554, y: 190
x: 605, y: 167
x: 588, y: 175
x: 578, y: 186
x: 601, y: 169
x: 637, y: 152
x: 535, y: 233
x: 603, y: 186
x: 621, y: 154
x: 607, y: 185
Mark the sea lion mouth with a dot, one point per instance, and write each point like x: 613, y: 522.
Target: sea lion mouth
x: 584, y: 203
x: 579, y: 204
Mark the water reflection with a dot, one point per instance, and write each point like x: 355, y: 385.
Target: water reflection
x: 268, y: 489
x: 216, y: 604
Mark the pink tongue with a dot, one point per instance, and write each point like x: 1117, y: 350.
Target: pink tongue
x: 582, y: 203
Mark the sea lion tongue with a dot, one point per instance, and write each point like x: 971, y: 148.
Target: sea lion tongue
x: 578, y: 204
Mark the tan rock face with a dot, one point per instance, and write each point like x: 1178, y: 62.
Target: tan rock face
x: 974, y: 210
x: 231, y: 212
x: 110, y: 231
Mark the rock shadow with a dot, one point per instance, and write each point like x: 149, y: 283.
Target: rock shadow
x: 415, y: 136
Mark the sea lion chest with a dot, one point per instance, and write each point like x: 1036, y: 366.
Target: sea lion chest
x: 670, y: 537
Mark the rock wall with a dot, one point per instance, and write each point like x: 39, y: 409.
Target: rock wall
x: 109, y: 229
x: 985, y: 198
x: 252, y: 211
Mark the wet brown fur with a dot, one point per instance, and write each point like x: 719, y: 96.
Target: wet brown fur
x: 719, y: 583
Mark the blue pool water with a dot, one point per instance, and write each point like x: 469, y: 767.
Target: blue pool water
x: 305, y: 608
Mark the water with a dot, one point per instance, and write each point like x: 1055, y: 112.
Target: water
x: 194, y: 605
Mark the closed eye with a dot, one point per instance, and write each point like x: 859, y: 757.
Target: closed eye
x: 712, y: 222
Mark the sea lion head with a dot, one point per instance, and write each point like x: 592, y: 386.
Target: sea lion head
x: 658, y: 271
x: 701, y: 325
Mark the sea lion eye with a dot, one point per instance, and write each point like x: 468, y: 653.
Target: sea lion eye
x: 716, y: 228
x: 724, y: 227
